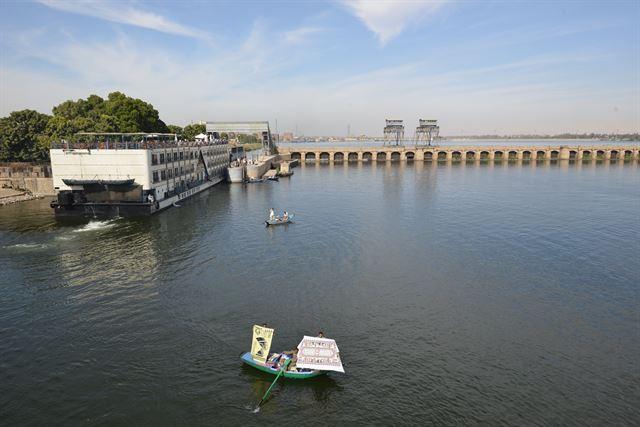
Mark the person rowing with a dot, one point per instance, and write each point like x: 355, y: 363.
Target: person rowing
x: 285, y: 216
x: 272, y: 214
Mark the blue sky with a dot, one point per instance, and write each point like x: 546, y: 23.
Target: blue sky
x: 477, y: 66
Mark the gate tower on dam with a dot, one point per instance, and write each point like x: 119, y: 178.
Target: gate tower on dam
x: 426, y: 131
x: 394, y: 131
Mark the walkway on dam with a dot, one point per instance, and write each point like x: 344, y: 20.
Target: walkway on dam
x: 307, y: 153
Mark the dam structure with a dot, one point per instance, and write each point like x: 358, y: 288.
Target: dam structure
x: 305, y: 153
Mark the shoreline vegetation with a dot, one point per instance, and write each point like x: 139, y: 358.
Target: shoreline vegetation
x: 27, y: 135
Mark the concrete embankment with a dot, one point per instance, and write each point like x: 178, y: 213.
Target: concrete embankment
x: 257, y: 170
x: 33, y: 178
x: 9, y: 196
x: 24, y: 181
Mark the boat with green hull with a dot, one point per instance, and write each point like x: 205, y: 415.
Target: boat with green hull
x: 249, y: 360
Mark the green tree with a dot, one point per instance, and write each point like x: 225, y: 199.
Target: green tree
x: 133, y: 115
x: 27, y: 135
x: 247, y: 139
x: 23, y: 137
x: 174, y: 129
x: 118, y: 113
x: 189, y: 132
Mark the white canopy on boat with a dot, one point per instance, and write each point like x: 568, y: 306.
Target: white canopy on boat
x: 201, y: 137
x: 321, y: 354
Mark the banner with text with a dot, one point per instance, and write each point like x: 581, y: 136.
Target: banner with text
x: 261, y: 343
x: 320, y: 354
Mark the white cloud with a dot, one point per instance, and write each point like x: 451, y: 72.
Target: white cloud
x: 118, y: 12
x: 300, y: 35
x: 255, y: 79
x: 388, y: 18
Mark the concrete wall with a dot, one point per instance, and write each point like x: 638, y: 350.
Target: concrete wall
x: 26, y: 176
x: 265, y: 163
x: 100, y: 164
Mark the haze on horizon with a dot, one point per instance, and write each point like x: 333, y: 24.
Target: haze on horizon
x: 488, y: 67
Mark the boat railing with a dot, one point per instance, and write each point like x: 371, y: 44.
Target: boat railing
x: 132, y: 145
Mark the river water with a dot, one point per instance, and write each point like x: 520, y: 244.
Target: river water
x: 458, y: 294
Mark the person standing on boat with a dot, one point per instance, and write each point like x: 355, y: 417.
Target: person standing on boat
x: 285, y: 216
x: 272, y: 214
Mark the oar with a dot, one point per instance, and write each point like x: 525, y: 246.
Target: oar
x: 284, y: 368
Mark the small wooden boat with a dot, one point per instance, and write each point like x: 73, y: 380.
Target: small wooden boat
x: 277, y: 221
x: 273, y: 178
x: 305, y: 374
x: 254, y: 180
x: 285, y: 174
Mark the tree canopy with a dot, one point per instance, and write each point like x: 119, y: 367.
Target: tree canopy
x: 23, y: 138
x: 189, y: 132
x: 248, y: 139
x: 117, y: 113
x: 27, y: 135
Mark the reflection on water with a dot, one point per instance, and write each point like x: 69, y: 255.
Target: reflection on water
x: 491, y: 292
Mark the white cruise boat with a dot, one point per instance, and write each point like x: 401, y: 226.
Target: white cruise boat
x: 109, y: 175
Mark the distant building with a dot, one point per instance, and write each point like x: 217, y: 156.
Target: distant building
x: 287, y: 136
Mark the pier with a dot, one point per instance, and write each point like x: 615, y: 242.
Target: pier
x: 308, y: 153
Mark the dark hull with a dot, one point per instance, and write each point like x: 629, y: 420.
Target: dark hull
x: 105, y: 210
x: 274, y: 222
x: 124, y: 209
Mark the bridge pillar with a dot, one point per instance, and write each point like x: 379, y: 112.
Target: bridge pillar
x: 564, y: 153
x: 607, y: 154
x: 579, y: 154
x: 492, y: 155
x: 331, y: 153
x: 403, y: 156
x: 519, y: 155
x: 360, y: 154
x: 419, y: 156
x: 374, y: 156
x: 449, y: 155
x: 534, y: 154
x: 317, y: 156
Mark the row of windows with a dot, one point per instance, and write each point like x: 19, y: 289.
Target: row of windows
x: 176, y: 172
x: 170, y: 173
x: 161, y: 158
x: 155, y: 158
